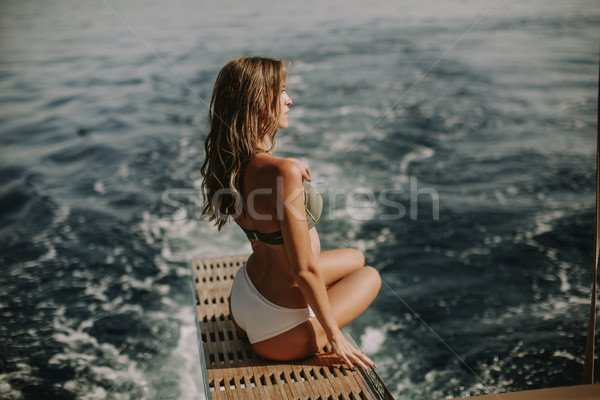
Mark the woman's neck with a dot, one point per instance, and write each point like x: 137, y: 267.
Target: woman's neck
x: 264, y: 145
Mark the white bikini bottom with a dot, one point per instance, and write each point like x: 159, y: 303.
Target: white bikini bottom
x: 259, y: 317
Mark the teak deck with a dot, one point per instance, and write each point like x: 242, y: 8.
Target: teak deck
x: 233, y: 371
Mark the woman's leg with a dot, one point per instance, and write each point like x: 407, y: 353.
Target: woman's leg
x: 241, y: 332
x: 335, y: 264
x: 349, y: 298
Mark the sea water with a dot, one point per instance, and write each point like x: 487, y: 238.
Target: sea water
x: 453, y: 143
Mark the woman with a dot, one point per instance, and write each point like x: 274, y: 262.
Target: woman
x: 288, y: 280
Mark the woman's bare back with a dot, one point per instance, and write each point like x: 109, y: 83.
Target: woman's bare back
x: 269, y: 267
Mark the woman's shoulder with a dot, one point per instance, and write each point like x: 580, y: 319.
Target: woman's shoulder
x: 271, y: 167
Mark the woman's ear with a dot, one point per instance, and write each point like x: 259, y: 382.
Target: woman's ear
x: 272, y: 111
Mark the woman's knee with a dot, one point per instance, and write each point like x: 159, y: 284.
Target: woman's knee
x: 358, y: 256
x: 373, y: 276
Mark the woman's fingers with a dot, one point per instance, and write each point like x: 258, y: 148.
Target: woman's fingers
x: 350, y: 359
x: 348, y: 362
x: 305, y: 172
x: 362, y: 364
x: 341, y: 350
x: 304, y: 167
x: 359, y: 358
x: 367, y: 360
x: 350, y: 355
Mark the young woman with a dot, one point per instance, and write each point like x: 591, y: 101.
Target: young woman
x: 288, y: 280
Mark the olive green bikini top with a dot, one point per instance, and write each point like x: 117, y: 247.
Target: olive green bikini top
x: 313, y: 204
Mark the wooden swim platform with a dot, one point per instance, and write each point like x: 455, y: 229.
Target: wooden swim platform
x: 579, y: 392
x: 231, y: 370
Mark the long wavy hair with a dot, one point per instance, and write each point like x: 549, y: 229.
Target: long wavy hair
x: 244, y: 108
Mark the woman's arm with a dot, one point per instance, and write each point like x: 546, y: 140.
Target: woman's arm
x: 290, y: 209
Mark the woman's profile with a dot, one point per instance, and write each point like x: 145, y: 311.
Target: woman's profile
x: 290, y: 298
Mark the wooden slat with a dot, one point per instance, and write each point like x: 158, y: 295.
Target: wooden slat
x: 222, y: 348
x: 581, y: 392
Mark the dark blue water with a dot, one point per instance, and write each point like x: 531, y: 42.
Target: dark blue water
x: 453, y: 143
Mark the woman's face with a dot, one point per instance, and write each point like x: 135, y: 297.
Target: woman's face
x: 284, y: 106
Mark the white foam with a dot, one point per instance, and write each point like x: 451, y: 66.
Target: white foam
x: 564, y: 354
x: 61, y: 214
x: 371, y: 340
x: 544, y: 221
x: 23, y: 372
x: 99, y: 187
x: 564, y: 279
x: 98, y: 291
x: 92, y: 363
x: 464, y: 255
x: 419, y: 153
x: 49, y: 255
x: 183, y: 240
x: 187, y: 356
x: 123, y: 171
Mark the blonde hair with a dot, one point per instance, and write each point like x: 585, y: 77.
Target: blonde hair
x: 244, y: 108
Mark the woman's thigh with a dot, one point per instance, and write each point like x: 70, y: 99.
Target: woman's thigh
x: 335, y: 264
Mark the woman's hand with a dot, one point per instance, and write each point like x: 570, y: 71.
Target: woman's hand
x: 303, y: 167
x: 349, y: 355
